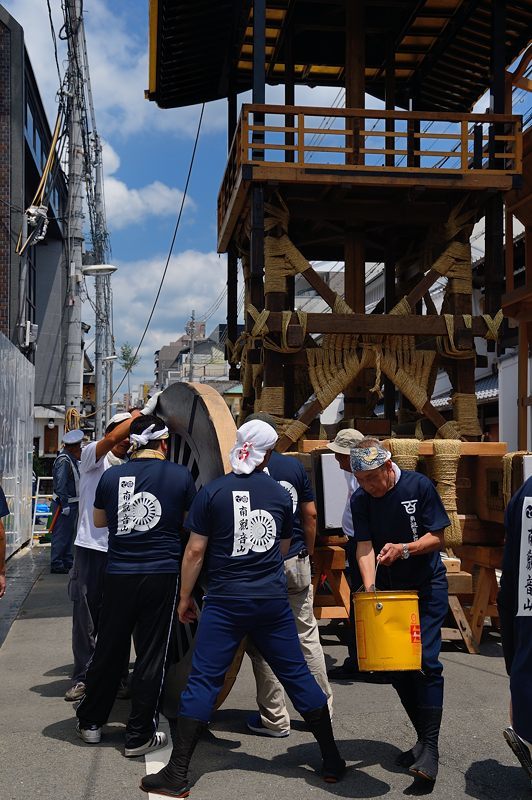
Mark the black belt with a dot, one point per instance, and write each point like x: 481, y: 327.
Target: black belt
x: 303, y: 553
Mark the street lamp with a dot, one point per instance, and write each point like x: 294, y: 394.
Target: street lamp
x: 102, y: 273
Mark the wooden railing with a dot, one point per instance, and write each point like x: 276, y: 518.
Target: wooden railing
x: 370, y: 141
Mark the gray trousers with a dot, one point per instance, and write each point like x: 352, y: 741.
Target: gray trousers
x: 270, y: 694
x: 85, y: 589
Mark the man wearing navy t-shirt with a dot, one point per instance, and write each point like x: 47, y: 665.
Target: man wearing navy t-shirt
x: 143, y: 503
x: 273, y: 718
x: 245, y: 518
x: 399, y: 520
x: 515, y: 608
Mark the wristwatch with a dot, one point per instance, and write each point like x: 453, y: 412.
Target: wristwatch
x: 406, y: 552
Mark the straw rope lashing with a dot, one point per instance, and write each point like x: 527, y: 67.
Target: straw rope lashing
x: 331, y: 371
x: 507, y: 472
x: 410, y: 374
x: 341, y: 307
x: 449, y: 430
x: 459, y: 274
x: 272, y: 400
x: 405, y: 452
x: 402, y: 307
x: 466, y: 414
x: 446, y: 344
x: 295, y: 430
x: 443, y: 467
x: 458, y: 221
x: 276, y: 214
x: 454, y: 253
x: 493, y: 324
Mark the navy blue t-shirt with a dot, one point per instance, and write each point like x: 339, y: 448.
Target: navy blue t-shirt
x: 245, y: 517
x: 290, y: 474
x: 145, y: 501
x: 404, y: 514
x: 4, y: 510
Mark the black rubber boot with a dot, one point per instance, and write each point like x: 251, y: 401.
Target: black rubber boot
x: 426, y: 766
x: 409, y: 757
x: 172, y: 780
x: 319, y: 723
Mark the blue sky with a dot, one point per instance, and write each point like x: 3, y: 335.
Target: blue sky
x: 146, y: 157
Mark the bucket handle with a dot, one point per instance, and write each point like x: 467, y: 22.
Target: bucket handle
x: 378, y: 605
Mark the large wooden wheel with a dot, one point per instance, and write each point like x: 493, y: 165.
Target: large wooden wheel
x: 202, y: 432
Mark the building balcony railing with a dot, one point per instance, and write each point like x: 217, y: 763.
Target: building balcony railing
x: 367, y: 147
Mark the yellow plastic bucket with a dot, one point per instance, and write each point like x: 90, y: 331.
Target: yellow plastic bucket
x: 387, y: 630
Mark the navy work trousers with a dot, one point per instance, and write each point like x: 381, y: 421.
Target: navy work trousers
x: 425, y: 688
x: 270, y: 625
x: 63, y: 535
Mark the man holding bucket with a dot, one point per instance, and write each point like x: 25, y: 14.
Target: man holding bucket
x: 398, y: 521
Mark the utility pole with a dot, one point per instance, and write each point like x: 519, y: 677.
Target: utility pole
x: 74, y: 367
x: 102, y: 287
x: 191, y: 330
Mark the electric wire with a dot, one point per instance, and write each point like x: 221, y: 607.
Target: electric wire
x: 171, y: 248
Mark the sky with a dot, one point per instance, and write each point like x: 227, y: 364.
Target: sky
x: 146, y: 156
x: 147, y: 152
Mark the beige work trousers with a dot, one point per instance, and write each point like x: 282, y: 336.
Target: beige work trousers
x: 270, y: 694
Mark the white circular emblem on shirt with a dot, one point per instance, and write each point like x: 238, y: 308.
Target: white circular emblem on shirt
x: 261, y: 531
x: 292, y: 492
x: 145, y: 511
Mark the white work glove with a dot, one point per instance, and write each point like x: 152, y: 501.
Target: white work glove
x: 151, y: 405
x: 65, y: 511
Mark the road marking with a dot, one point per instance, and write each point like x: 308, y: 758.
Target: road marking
x: 159, y: 758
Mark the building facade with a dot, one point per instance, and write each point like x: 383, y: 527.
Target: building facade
x: 33, y: 282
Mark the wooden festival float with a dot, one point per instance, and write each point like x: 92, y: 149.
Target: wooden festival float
x: 401, y: 184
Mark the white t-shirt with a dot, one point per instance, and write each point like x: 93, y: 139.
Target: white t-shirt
x: 347, y: 518
x: 90, y: 472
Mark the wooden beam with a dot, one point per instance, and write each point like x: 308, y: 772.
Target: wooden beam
x: 377, y: 325
x: 232, y: 305
x: 355, y: 296
x: 498, y: 55
x: 257, y: 250
x: 355, y: 74
x: 522, y: 386
x: 389, y: 302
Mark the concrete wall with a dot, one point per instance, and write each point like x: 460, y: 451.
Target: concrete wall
x: 51, y: 319
x: 508, y: 401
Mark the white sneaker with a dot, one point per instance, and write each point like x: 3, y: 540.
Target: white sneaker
x: 76, y: 692
x: 157, y: 741
x: 92, y: 734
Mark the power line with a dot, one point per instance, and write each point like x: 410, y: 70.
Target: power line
x: 54, y: 40
x: 170, y: 251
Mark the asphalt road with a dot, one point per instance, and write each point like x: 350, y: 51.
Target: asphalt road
x: 41, y: 757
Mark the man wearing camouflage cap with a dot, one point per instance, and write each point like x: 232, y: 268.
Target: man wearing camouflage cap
x: 399, y: 522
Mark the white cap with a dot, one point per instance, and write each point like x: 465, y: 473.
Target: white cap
x: 73, y: 437
x: 120, y: 417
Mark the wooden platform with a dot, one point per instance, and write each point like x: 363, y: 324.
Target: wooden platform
x: 364, y: 148
x: 330, y: 561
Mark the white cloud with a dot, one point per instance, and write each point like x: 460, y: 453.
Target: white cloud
x: 193, y: 282
x: 111, y: 159
x: 118, y: 59
x: 125, y: 206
